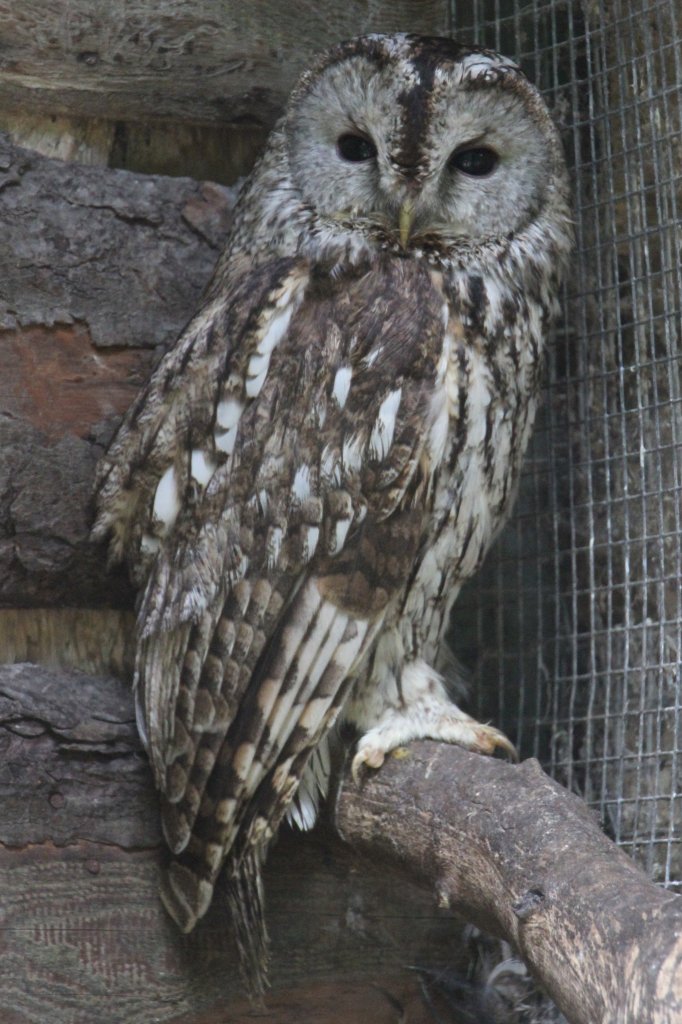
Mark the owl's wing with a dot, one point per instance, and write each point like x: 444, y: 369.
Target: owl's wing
x: 282, y: 501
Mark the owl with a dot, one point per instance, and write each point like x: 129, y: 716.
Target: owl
x: 327, y: 452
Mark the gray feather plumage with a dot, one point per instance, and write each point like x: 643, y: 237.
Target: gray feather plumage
x: 329, y: 449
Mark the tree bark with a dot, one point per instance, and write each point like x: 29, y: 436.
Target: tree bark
x: 521, y: 857
x: 86, y: 937
x: 201, y: 61
x: 99, y: 271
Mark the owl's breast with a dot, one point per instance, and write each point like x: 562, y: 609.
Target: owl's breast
x: 484, y: 404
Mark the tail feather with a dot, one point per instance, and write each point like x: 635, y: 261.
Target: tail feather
x: 187, y: 895
x: 246, y: 900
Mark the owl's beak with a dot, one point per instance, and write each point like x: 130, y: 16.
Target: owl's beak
x: 405, y: 221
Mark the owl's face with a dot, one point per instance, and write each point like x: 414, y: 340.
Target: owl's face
x: 413, y: 138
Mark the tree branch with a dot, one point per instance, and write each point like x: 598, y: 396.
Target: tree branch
x: 518, y: 855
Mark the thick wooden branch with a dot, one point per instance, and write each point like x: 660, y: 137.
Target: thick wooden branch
x: 520, y: 856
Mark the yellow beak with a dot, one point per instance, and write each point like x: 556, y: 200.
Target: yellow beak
x: 405, y: 220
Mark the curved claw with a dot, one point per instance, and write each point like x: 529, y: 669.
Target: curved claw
x: 370, y: 757
x: 491, y: 740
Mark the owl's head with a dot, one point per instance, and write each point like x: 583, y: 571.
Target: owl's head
x: 405, y: 139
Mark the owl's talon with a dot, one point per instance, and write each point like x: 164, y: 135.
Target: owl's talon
x: 490, y: 740
x: 366, y: 757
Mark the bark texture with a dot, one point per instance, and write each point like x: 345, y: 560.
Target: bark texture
x: 209, y: 61
x: 99, y: 271
x: 523, y: 858
x: 86, y: 937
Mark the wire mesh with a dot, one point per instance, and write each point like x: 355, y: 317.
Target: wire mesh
x: 573, y: 630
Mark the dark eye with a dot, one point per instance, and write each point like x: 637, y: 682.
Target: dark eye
x: 356, y: 148
x: 477, y: 161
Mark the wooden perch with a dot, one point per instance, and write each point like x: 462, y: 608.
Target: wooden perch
x: 523, y: 858
x: 98, y: 271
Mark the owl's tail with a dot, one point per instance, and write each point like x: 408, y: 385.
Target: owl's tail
x: 187, y: 895
x: 247, y: 907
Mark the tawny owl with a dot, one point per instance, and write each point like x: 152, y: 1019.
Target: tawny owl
x: 329, y: 449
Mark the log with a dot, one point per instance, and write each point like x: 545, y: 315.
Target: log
x: 84, y: 935
x: 86, y: 938
x: 208, y: 62
x: 525, y: 859
x: 99, y: 271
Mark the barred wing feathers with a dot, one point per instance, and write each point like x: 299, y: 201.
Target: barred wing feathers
x: 274, y: 477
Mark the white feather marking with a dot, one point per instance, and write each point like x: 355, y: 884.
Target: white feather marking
x: 258, y: 364
x: 493, y: 310
x: 254, y: 385
x: 438, y: 434
x: 228, y: 413
x: 203, y: 468
x: 446, y: 314
x: 301, y: 484
x: 341, y: 387
x: 276, y: 330
x: 166, y: 500
x: 303, y: 811
x: 329, y: 465
x: 478, y: 400
x: 311, y: 535
x: 353, y: 451
x: 313, y: 713
x: 263, y: 501
x: 274, y: 545
x: 340, y: 533
x: 242, y: 759
x: 225, y: 440
x: 371, y: 357
x: 384, y: 426
x: 256, y: 373
x: 444, y: 358
x: 225, y: 810
x: 149, y: 545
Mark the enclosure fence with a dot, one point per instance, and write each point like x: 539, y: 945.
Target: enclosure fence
x: 574, y: 628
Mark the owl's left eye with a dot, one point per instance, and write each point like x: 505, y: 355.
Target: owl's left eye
x: 356, y: 148
x: 477, y: 161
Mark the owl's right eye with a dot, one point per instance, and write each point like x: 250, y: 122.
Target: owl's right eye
x: 355, y: 148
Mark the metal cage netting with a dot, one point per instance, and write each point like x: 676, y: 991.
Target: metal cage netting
x: 573, y: 629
